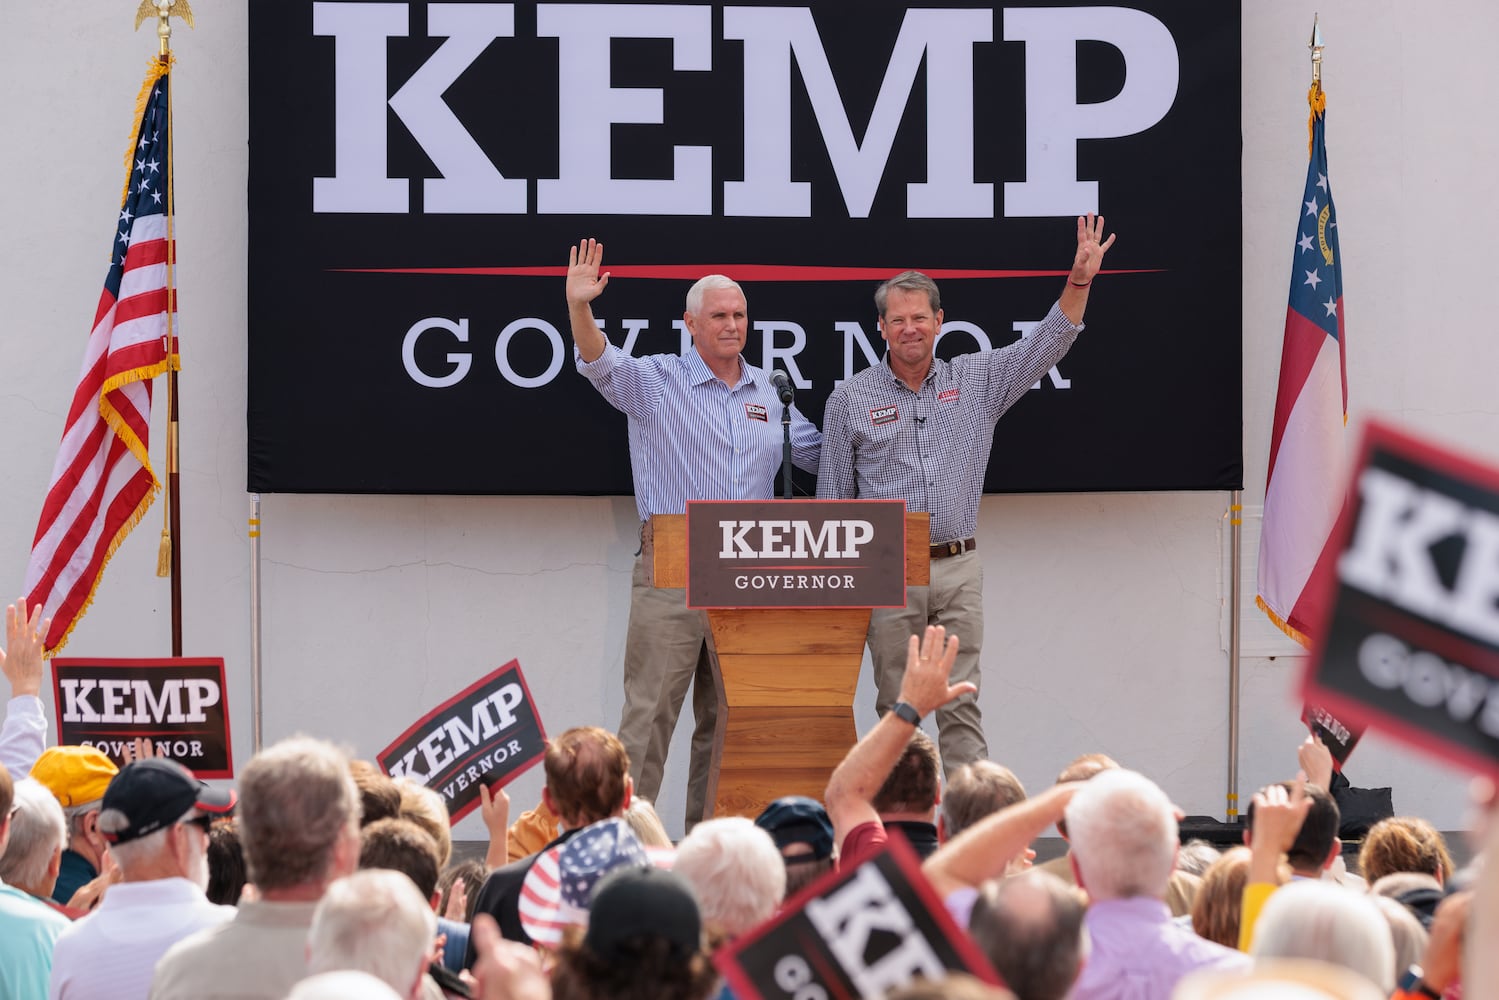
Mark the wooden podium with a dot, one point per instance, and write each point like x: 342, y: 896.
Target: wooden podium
x: 786, y: 682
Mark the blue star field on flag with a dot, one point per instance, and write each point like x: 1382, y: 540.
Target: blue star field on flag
x: 146, y: 194
x: 1316, y: 278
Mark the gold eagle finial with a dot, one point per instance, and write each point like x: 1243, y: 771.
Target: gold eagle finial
x: 163, y: 10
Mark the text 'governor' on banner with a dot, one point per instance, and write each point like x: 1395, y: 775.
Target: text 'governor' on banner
x: 419, y: 170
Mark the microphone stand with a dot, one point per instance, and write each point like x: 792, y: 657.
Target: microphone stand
x: 785, y: 451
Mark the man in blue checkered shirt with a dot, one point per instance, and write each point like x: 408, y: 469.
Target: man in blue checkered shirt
x: 919, y: 429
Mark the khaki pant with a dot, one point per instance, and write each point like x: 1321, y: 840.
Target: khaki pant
x: 955, y: 600
x: 665, y: 652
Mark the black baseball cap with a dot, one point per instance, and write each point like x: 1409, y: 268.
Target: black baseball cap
x: 796, y: 819
x: 643, y: 902
x: 155, y: 793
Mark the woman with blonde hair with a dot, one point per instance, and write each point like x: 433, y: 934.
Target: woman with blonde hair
x: 1404, y: 844
x: 1219, y: 903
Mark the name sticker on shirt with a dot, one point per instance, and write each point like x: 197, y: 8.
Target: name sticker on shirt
x: 884, y: 415
x: 947, y: 396
x: 756, y: 412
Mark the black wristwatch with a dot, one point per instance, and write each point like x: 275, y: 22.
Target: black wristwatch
x: 1413, y: 985
x: 907, y: 711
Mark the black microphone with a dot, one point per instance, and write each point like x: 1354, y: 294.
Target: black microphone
x: 921, y: 420
x: 782, y: 383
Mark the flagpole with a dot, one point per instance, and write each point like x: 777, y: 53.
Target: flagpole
x: 169, y: 560
x: 1235, y: 597
x: 257, y: 728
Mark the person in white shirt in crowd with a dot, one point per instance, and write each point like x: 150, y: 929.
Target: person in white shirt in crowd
x: 156, y: 815
x: 23, y: 735
x: 299, y: 821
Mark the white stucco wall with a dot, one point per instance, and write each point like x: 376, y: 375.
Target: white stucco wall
x: 1105, y: 612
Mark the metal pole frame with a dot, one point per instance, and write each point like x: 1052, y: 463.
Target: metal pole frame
x: 255, y: 691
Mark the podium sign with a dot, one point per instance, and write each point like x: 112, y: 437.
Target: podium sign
x: 796, y: 554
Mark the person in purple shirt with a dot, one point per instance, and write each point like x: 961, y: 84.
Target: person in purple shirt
x: 1124, y: 843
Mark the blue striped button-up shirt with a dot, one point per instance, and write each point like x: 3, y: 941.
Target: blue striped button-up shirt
x: 930, y: 448
x: 694, y: 438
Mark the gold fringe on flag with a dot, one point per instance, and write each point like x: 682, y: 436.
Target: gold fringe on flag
x: 1316, y: 100
x: 1300, y: 637
x: 155, y: 71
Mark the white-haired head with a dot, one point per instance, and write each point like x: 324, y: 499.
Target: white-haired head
x: 735, y: 871
x: 38, y: 836
x: 706, y: 284
x: 1314, y: 919
x: 373, y: 921
x: 1124, y: 836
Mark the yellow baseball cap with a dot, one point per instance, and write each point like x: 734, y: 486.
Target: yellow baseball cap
x: 74, y: 775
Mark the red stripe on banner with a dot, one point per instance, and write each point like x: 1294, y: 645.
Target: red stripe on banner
x: 740, y: 272
x: 1303, y: 342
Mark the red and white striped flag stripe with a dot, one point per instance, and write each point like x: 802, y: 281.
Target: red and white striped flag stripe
x: 102, y: 481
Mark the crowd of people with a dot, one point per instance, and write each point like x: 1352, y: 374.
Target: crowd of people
x: 320, y: 877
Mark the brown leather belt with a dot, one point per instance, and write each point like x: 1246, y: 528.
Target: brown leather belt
x: 953, y: 548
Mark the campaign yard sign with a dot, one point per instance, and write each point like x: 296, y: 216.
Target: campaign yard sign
x: 854, y: 933
x: 1411, y: 642
x: 487, y: 734
x: 178, y: 704
x: 1338, y: 735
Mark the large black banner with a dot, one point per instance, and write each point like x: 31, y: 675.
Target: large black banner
x: 419, y: 170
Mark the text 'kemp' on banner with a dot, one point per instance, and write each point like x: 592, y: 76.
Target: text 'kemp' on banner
x: 487, y: 734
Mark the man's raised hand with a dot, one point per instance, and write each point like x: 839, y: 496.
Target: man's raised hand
x: 1316, y: 761
x: 25, y: 639
x: 1091, y: 246
x: 929, y: 662
x: 584, y: 282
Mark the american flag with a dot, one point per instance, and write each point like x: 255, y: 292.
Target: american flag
x: 1304, y: 486
x: 102, y: 482
x: 558, y: 888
